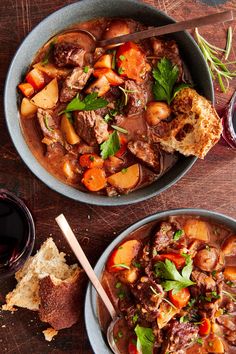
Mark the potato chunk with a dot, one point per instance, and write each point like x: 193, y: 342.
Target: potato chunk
x: 27, y: 109
x: 229, y: 246
x: 69, y: 131
x: 230, y: 273
x: 47, y: 97
x: 196, y: 229
x: 125, y: 179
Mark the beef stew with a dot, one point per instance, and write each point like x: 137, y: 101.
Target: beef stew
x: 109, y: 120
x: 174, y: 283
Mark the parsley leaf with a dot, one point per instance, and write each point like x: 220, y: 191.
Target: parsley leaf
x: 90, y: 103
x: 145, y: 339
x: 173, y: 280
x: 110, y: 146
x: 177, y: 235
x: 166, y: 76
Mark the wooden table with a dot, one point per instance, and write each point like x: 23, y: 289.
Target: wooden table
x: 210, y: 184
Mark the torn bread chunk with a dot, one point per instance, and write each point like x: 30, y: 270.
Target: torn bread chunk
x: 49, y: 334
x: 48, y: 285
x: 60, y: 300
x: 196, y: 127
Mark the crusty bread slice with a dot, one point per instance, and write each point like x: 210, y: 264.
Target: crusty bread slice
x: 60, y: 300
x: 48, y: 261
x: 196, y: 127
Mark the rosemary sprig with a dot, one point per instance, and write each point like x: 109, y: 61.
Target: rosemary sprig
x: 217, y: 67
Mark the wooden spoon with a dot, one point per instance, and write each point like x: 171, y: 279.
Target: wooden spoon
x: 159, y: 31
x: 79, y: 253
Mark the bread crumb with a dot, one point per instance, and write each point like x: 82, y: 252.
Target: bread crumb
x: 49, y: 334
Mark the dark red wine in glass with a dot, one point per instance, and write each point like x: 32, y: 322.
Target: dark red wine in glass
x: 17, y: 233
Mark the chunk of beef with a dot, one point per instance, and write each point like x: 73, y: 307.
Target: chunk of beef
x: 91, y: 127
x: 179, y: 337
x: 136, y: 98
x: 74, y: 83
x: 68, y: 54
x: 208, y: 291
x: 49, y: 126
x: 168, y: 49
x: 149, y: 294
x: 203, y: 281
x: 229, y: 325
x: 86, y: 149
x: 146, y: 152
x: 164, y: 236
x: 111, y: 191
x: 113, y: 164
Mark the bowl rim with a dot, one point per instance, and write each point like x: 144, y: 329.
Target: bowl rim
x: 38, y: 169
x: 90, y: 307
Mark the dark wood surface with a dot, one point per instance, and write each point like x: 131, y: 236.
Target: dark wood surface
x: 210, y: 184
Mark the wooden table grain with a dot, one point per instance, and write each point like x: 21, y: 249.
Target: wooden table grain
x: 210, y: 184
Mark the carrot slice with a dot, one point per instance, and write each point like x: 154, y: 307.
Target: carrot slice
x: 94, y: 179
x: 91, y: 161
x: 112, y: 77
x: 27, y: 89
x: 176, y: 258
x: 181, y: 298
x: 205, y: 327
x: 36, y: 78
x: 121, y: 258
x: 105, y: 61
x: 131, y: 61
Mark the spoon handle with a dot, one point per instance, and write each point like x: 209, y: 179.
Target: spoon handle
x: 174, y: 27
x: 79, y: 253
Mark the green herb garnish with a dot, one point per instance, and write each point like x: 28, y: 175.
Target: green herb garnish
x: 118, y: 285
x: 184, y: 319
x: 120, y: 129
x: 91, y: 158
x: 177, y: 235
x: 46, y: 124
x: 90, y: 103
x: 125, y: 93
x: 137, y: 265
x: 122, y: 265
x: 120, y: 71
x: 172, y: 279
x: 86, y: 69
x: 145, y: 339
x: 124, y: 170
x: 120, y: 334
x: 199, y: 341
x: 122, y: 57
x: 217, y: 67
x: 49, y: 52
x: 213, y: 273
x: 166, y: 75
x: 121, y: 295
x: 135, y: 318
x: 229, y: 283
x: 110, y: 146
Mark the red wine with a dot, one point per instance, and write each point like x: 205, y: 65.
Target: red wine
x: 16, y: 233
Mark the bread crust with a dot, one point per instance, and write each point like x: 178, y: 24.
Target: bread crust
x: 196, y: 126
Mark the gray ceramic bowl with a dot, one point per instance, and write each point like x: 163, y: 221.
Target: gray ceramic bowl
x: 90, y: 310
x: 78, y: 12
